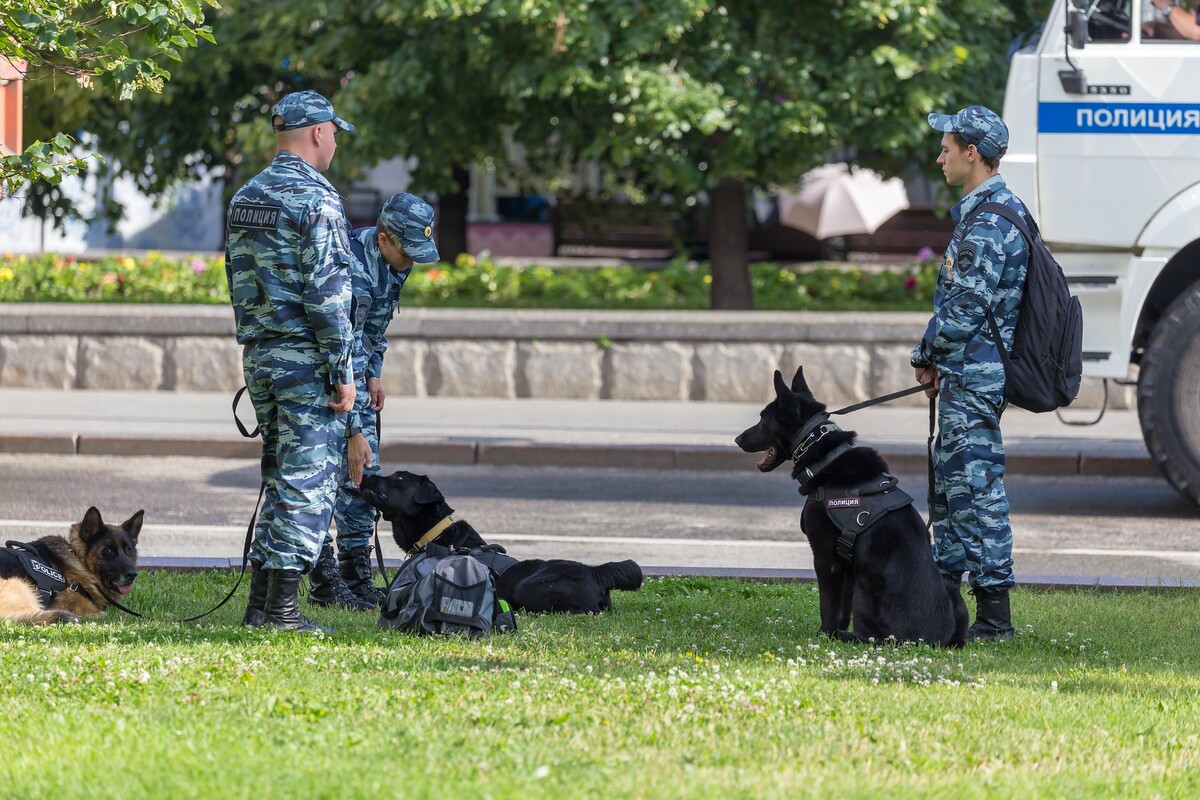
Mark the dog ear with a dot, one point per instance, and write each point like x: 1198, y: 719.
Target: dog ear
x: 799, y: 385
x: 133, y: 525
x: 428, y: 492
x: 92, y: 526
x: 781, y: 389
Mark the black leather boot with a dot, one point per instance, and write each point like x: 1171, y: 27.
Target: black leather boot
x: 283, y: 603
x: 327, y: 587
x: 356, y: 572
x: 256, y: 609
x: 993, y: 618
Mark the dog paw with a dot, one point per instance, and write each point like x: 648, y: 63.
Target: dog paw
x: 65, y: 617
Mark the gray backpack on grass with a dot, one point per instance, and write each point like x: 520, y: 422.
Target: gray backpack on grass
x: 446, y: 591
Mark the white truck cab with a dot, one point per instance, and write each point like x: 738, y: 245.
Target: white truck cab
x: 1104, y: 146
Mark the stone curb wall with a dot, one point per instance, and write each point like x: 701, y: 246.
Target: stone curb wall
x: 621, y: 355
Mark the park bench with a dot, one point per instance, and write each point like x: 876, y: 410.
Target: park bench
x: 615, y: 229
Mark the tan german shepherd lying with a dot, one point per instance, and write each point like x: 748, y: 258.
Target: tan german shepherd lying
x: 97, y: 562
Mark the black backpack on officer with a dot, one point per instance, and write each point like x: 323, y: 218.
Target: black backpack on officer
x: 1044, y: 369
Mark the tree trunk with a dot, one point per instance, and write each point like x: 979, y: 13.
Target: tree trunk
x: 727, y: 246
x: 452, y: 218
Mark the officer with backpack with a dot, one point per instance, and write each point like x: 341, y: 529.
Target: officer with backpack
x: 983, y: 269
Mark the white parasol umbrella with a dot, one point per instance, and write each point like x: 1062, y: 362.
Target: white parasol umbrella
x: 838, y: 200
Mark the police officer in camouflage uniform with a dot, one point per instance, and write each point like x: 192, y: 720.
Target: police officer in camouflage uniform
x: 287, y: 259
x: 983, y: 267
x: 384, y: 255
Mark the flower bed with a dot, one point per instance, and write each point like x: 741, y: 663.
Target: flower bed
x: 155, y: 278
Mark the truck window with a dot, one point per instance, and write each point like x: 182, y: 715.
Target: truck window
x: 1159, y: 25
x: 1108, y: 20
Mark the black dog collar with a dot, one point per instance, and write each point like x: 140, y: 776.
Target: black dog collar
x: 813, y: 432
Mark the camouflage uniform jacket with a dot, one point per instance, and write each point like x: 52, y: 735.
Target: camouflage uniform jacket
x: 982, y: 267
x: 376, y: 288
x: 287, y: 259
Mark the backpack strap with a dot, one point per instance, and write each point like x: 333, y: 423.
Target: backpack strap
x: 1028, y: 231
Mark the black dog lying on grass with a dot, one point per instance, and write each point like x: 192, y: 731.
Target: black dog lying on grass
x: 881, y: 570
x: 419, y: 515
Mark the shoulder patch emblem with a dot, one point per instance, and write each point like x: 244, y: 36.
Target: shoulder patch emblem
x: 966, y: 257
x: 254, y: 217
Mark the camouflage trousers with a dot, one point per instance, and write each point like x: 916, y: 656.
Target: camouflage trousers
x: 971, y: 531
x: 302, y: 452
x: 355, y: 517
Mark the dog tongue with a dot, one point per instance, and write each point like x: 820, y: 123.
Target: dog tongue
x: 768, y: 458
x: 125, y: 589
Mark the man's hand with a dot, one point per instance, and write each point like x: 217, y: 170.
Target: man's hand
x: 928, y: 375
x: 359, y: 457
x: 343, y: 398
x: 375, y: 390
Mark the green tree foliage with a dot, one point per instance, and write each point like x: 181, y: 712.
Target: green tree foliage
x: 678, y: 99
x: 120, y: 47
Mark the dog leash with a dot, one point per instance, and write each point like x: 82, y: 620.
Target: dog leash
x: 887, y: 398
x: 378, y: 513
x: 262, y: 488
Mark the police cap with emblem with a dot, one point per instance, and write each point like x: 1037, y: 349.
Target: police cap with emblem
x: 301, y: 109
x: 410, y: 219
x: 978, y: 125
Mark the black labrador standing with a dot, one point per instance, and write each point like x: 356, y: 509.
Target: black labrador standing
x: 419, y: 515
x: 870, y: 548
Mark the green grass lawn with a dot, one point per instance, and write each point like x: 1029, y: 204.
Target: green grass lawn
x: 688, y: 688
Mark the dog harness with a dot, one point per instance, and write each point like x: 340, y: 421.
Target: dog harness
x: 48, y: 580
x: 854, y: 509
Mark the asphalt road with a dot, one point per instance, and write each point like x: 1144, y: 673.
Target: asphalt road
x: 1069, y: 526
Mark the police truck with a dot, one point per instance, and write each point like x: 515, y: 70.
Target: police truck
x: 1104, y: 119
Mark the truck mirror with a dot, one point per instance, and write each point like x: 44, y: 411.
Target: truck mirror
x: 1073, y: 81
x: 1077, y: 28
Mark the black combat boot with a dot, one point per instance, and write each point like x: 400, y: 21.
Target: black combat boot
x: 356, y: 571
x: 327, y: 587
x: 993, y: 619
x: 256, y: 609
x: 283, y: 603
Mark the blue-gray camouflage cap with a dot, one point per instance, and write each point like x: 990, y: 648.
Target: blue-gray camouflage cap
x: 301, y: 109
x: 978, y: 125
x: 410, y: 219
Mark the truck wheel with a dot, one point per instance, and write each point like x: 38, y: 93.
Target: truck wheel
x: 1169, y: 394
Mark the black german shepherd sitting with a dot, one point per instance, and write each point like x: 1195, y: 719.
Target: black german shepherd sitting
x: 419, y: 515
x: 881, y: 572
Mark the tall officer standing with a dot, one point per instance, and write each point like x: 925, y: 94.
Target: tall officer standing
x: 983, y: 267
x: 287, y: 259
